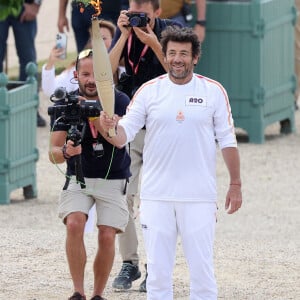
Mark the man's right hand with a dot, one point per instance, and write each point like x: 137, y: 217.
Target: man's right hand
x: 72, y: 150
x: 30, y: 12
x: 54, y: 57
x: 107, y: 122
x: 123, y: 23
x: 62, y: 23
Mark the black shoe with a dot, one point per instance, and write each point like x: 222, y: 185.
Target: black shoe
x: 77, y: 296
x: 128, y: 273
x: 40, y: 121
x: 97, y: 297
x: 143, y: 287
x: 285, y: 126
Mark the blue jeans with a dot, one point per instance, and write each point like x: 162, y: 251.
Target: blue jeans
x: 24, y: 34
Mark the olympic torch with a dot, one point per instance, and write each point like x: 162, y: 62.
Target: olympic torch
x: 102, y: 70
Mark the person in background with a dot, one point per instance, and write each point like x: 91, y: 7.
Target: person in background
x: 66, y: 78
x: 180, y: 11
x: 140, y: 50
x: 184, y: 114
x: 105, y: 173
x: 124, y: 4
x: 23, y: 19
x: 81, y: 18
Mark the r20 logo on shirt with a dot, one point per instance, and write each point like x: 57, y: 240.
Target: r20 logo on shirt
x: 195, y: 101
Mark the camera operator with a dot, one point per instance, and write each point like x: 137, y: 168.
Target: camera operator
x: 139, y: 48
x: 105, y: 170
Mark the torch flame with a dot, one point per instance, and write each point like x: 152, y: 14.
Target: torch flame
x: 95, y: 3
x: 97, y: 6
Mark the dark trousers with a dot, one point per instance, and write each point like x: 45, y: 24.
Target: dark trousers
x: 24, y: 34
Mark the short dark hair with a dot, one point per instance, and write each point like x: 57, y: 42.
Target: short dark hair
x: 155, y: 3
x: 182, y: 35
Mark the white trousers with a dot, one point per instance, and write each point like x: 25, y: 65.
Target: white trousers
x: 162, y: 222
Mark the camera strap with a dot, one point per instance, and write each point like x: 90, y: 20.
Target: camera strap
x: 94, y: 133
x: 129, y: 44
x: 93, y: 130
x: 68, y: 178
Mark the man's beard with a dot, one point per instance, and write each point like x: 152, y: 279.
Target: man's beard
x: 84, y: 90
x: 183, y: 74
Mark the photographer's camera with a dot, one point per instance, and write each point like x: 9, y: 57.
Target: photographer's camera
x: 137, y: 19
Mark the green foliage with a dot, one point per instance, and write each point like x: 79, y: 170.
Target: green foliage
x: 10, y: 7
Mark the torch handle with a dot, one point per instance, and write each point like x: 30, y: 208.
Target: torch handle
x: 111, y: 132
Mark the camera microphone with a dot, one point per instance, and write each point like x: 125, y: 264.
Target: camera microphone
x: 60, y: 93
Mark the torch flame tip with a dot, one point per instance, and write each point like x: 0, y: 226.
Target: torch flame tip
x: 95, y: 3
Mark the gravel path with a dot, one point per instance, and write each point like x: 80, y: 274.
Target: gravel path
x: 256, y: 250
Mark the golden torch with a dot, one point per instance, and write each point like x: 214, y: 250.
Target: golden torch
x: 102, y: 67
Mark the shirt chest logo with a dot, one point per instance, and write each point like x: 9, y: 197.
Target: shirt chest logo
x: 180, y: 116
x: 195, y: 101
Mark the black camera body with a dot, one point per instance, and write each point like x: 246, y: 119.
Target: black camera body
x: 137, y: 19
x: 74, y: 110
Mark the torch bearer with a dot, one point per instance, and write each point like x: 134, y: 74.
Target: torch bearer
x: 102, y: 71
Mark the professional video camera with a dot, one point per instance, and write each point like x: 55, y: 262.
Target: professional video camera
x: 74, y: 110
x: 72, y: 113
x: 138, y: 19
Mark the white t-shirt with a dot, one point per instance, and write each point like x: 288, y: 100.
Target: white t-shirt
x: 183, y: 123
x: 50, y: 82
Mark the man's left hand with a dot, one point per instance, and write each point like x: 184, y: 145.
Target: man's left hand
x: 233, y: 199
x: 146, y: 35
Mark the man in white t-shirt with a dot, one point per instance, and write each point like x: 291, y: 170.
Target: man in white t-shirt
x: 185, y: 114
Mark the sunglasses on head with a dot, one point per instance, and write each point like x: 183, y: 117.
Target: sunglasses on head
x: 83, y: 54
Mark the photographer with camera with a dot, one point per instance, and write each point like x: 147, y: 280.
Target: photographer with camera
x: 97, y: 173
x: 136, y: 42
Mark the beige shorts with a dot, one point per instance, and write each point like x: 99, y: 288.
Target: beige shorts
x: 111, y: 205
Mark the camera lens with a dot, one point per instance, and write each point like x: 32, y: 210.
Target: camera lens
x: 135, y: 21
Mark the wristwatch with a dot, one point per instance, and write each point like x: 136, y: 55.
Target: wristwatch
x: 201, y: 22
x: 38, y: 2
x: 64, y: 152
